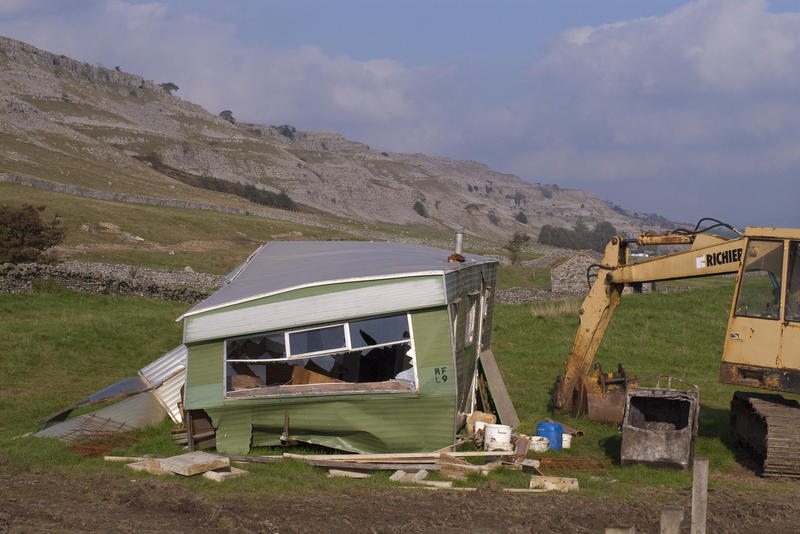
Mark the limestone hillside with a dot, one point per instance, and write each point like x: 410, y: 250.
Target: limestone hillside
x: 74, y: 123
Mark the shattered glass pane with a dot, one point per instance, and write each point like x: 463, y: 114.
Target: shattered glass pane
x: 379, y: 331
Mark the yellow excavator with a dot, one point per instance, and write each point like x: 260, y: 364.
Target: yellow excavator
x: 762, y: 342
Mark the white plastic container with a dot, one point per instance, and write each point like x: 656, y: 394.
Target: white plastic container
x: 566, y: 441
x: 496, y: 437
x: 539, y: 443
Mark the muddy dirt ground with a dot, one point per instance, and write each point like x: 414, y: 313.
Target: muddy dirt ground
x: 43, y: 501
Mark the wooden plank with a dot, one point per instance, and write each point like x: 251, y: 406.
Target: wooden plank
x: 347, y: 474
x: 220, y: 475
x: 699, y: 495
x: 561, y: 484
x: 419, y: 475
x: 256, y: 459
x: 461, y: 470
x: 419, y: 478
x: 497, y: 388
x: 193, y: 463
x: 671, y: 519
x: 374, y: 466
x: 440, y: 484
x: 450, y: 459
x: 394, y: 456
x: 507, y: 490
x: 149, y: 465
x: 125, y: 458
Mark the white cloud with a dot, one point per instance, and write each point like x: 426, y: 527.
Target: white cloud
x: 705, y: 93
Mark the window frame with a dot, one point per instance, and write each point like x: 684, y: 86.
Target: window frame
x: 737, y: 310
x: 792, y: 283
x: 335, y: 388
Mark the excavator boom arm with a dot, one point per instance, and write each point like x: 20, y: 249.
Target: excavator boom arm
x: 708, y: 255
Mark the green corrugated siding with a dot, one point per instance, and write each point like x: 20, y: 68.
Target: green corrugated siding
x: 432, y: 337
x: 434, y: 352
x: 359, y: 422
x: 370, y: 426
x: 234, y: 429
x: 204, y: 375
x: 491, y: 281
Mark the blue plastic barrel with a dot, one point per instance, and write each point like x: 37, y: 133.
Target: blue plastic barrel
x: 551, y: 431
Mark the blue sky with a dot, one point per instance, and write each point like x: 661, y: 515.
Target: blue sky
x: 686, y: 109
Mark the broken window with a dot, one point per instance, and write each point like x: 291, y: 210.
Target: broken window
x: 469, y: 333
x: 371, y: 354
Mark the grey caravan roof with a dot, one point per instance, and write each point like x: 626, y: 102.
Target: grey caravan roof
x: 284, y: 265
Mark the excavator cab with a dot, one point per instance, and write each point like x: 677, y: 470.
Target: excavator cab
x: 762, y: 343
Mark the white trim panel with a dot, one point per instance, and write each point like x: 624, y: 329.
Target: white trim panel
x: 198, y: 309
x: 374, y: 300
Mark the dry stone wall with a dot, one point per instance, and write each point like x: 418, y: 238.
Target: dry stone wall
x: 570, y: 275
x: 102, y: 278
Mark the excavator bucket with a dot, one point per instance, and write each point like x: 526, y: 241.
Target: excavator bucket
x: 601, y: 396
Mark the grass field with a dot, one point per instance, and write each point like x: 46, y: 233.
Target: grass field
x: 58, y: 347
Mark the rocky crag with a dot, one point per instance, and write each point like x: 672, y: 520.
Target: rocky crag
x: 81, y: 125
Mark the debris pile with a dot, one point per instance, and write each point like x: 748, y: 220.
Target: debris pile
x: 211, y: 466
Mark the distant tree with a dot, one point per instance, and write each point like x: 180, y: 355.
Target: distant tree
x: 521, y: 217
x: 578, y: 238
x: 24, y: 236
x: 167, y: 86
x: 516, y: 244
x: 602, y: 234
x: 493, y: 218
x: 419, y: 207
x: 228, y: 116
x: 286, y: 130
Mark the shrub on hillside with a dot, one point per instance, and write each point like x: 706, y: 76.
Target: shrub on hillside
x: 515, y: 245
x: 419, y: 207
x: 578, y: 238
x: 167, y: 86
x: 253, y: 194
x: 24, y: 236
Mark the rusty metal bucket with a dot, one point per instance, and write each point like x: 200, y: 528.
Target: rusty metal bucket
x: 601, y: 396
x: 660, y: 423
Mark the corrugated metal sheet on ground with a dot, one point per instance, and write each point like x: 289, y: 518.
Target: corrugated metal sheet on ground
x: 166, y: 366
x: 168, y: 375
x: 134, y: 412
x: 169, y: 393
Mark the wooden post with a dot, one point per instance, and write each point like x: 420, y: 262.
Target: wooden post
x: 699, y: 495
x: 671, y: 518
x: 621, y: 529
x: 187, y: 421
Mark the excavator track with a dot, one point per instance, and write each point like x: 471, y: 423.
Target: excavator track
x: 769, y: 426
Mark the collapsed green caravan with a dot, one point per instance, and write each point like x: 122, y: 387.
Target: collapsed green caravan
x: 360, y: 346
